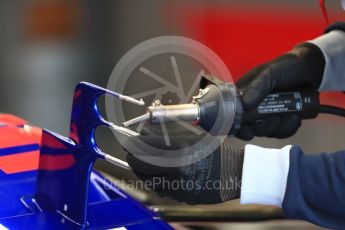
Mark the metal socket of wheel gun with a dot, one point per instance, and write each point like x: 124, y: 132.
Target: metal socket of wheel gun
x: 173, y: 113
x: 158, y: 113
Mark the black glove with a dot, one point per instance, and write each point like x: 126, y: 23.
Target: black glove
x: 214, y: 179
x: 301, y: 68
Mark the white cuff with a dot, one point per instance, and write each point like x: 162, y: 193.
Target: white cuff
x: 332, y: 46
x: 264, y: 175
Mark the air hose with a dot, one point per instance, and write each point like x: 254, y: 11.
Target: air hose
x: 327, y: 109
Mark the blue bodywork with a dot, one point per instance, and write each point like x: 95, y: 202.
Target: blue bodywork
x: 64, y: 192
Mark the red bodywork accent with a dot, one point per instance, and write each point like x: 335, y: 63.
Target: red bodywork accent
x: 56, y: 162
x: 9, y: 119
x: 17, y: 133
x: 14, y: 133
x: 20, y: 162
x: 51, y: 142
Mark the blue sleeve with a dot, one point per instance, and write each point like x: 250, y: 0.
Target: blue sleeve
x: 315, y: 188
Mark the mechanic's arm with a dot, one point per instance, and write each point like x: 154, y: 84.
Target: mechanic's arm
x: 332, y: 45
x: 308, y: 187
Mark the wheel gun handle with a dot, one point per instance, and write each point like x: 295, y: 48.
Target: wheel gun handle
x: 305, y: 103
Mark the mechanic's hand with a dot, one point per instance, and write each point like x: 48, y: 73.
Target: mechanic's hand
x: 300, y: 68
x: 214, y: 179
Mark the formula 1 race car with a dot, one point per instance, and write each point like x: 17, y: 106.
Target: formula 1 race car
x: 47, y: 181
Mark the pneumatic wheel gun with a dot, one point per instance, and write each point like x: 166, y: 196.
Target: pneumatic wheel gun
x: 218, y: 108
